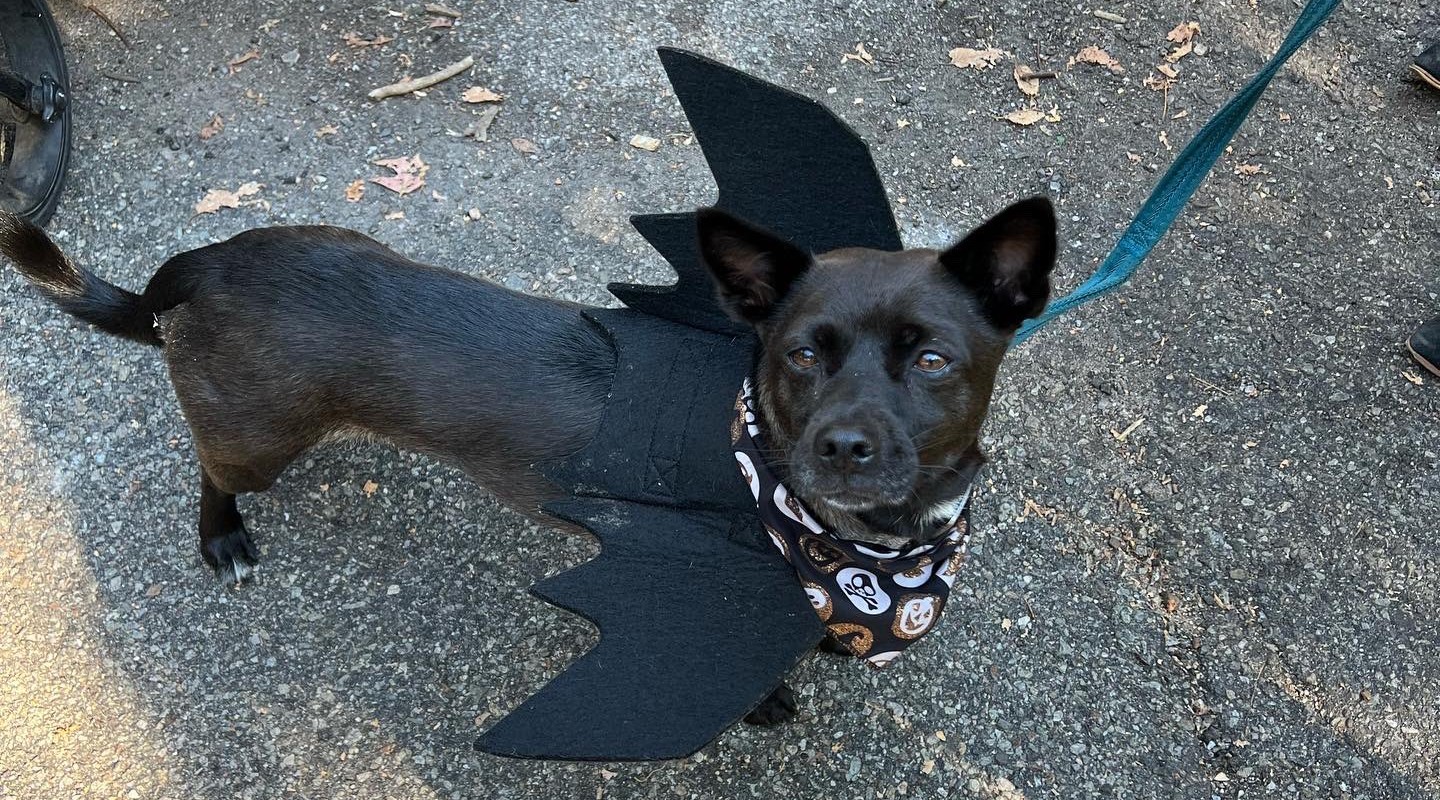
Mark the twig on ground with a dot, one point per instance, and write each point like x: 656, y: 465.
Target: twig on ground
x: 416, y: 84
x: 105, y: 18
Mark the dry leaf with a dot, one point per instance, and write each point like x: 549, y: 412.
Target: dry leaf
x: 1053, y: 115
x: 1158, y: 83
x: 1247, y: 169
x: 1179, y: 52
x: 355, y: 190
x: 479, y: 94
x: 441, y: 22
x: 249, y: 55
x: 326, y: 130
x: 395, y: 215
x: 1025, y: 116
x: 444, y: 11
x: 968, y: 58
x: 212, y: 128
x: 647, y: 143
x: 1134, y: 157
x: 1027, y: 82
x: 1168, y: 71
x: 481, y: 129
x: 928, y: 766
x: 409, y: 174
x: 1183, y: 32
x: 216, y: 199
x: 354, y: 39
x: 1200, y: 410
x: 1413, y: 377
x: 1098, y: 57
x: 370, y: 488
x: 153, y: 590
x: 861, y: 54
x: 524, y: 146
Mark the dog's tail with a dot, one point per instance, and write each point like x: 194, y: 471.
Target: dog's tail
x: 75, y: 289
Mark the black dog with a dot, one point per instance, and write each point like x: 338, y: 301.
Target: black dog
x: 873, y: 378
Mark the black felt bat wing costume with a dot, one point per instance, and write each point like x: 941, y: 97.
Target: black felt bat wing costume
x: 699, y: 617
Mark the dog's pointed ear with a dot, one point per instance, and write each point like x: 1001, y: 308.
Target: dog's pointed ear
x: 753, y: 269
x: 1006, y: 262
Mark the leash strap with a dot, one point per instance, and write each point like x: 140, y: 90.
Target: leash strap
x: 1185, y: 175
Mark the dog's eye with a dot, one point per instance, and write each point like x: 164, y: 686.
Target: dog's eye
x: 804, y: 358
x: 931, y: 361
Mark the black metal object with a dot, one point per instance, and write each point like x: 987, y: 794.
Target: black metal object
x: 35, y: 126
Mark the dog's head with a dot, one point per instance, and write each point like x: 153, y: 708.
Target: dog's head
x: 876, y: 368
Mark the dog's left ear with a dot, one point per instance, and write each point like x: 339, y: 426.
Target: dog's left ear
x: 1006, y: 262
x: 753, y: 269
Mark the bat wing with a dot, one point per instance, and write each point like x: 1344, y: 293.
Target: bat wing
x: 698, y: 623
x: 780, y: 160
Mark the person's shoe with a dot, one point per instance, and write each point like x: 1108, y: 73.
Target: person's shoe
x: 1424, y: 345
x: 1427, y: 66
x: 34, y: 110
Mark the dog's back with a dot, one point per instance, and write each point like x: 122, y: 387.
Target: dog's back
x: 280, y: 337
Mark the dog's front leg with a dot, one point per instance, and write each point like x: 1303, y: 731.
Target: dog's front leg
x: 778, y: 708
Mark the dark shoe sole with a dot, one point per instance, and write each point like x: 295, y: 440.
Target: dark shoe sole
x: 37, y: 153
x: 1424, y: 362
x: 1424, y: 75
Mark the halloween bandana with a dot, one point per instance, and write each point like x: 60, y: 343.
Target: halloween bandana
x: 875, y: 601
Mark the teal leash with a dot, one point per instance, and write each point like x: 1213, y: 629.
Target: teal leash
x: 1185, y: 175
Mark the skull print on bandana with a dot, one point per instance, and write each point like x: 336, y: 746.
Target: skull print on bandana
x: 875, y: 601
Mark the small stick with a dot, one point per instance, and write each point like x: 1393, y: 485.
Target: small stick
x: 442, y: 11
x: 416, y: 84
x: 106, y: 19
x: 122, y: 78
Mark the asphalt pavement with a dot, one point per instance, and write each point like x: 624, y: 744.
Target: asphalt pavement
x: 1207, y: 551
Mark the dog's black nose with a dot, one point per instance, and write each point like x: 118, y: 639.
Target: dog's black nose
x: 844, y: 446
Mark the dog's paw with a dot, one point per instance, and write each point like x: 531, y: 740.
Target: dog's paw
x: 776, y: 709
x: 231, y: 555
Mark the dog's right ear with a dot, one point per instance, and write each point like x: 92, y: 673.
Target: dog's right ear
x: 753, y: 269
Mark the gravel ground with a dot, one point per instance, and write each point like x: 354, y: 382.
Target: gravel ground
x: 1207, y: 560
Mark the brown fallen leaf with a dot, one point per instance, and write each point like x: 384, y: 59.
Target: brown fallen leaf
x: 249, y: 55
x: 441, y: 23
x: 326, y: 130
x: 524, y: 146
x: 861, y: 54
x: 1053, y: 115
x: 354, y: 39
x: 1095, y: 55
x: 409, y: 174
x: 1179, y: 52
x: 216, y: 199
x: 1025, y: 116
x: 212, y: 128
x: 1027, y: 82
x: 1183, y: 32
x: 370, y: 488
x: 970, y: 58
x: 481, y: 129
x: 355, y: 190
x: 1158, y: 83
x: 1167, y: 70
x: 647, y: 143
x: 479, y: 94
x: 153, y: 590
x: 1248, y: 169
